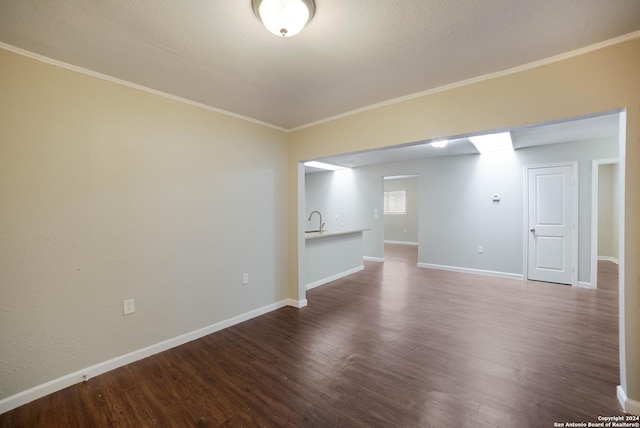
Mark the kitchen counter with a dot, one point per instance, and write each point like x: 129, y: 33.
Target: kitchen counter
x: 332, y: 254
x: 327, y: 233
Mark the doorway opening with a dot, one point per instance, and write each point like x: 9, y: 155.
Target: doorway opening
x: 401, y: 216
x: 573, y: 131
x: 605, y: 214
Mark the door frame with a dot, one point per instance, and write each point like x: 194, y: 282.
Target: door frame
x: 576, y: 216
x: 595, y: 174
x: 404, y: 176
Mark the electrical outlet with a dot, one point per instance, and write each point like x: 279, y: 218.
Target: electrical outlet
x: 480, y: 249
x: 245, y: 278
x: 128, y: 307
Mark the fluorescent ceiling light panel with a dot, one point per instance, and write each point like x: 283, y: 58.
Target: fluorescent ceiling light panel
x: 493, y: 142
x: 322, y: 165
x: 399, y: 177
x: 439, y: 144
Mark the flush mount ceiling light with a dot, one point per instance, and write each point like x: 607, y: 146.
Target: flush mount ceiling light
x: 493, y: 142
x: 284, y: 18
x: 322, y: 165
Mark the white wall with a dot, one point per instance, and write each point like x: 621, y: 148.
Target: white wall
x: 457, y: 213
x: 332, y: 257
x: 337, y: 195
x: 355, y: 195
x: 109, y: 193
x: 583, y: 152
x: 403, y: 227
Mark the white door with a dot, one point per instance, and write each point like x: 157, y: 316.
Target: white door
x: 551, y: 224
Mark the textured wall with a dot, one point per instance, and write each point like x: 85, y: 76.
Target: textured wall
x: 109, y: 193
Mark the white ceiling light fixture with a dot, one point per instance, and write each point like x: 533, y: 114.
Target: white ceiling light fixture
x: 284, y: 18
x: 322, y: 165
x: 493, y: 142
x: 440, y: 144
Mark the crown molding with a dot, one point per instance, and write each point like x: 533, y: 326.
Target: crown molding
x: 471, y: 81
x: 112, y: 79
x: 484, y: 77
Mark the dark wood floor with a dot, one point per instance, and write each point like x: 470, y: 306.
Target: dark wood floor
x: 393, y: 345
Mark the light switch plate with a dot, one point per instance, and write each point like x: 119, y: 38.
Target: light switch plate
x: 128, y: 307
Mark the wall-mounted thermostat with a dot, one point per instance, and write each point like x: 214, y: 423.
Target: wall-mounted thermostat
x: 496, y: 197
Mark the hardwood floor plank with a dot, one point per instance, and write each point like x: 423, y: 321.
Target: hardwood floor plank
x: 391, y: 346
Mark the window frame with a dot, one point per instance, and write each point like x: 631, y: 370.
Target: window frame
x: 396, y: 211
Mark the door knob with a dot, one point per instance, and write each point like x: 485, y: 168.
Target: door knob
x: 532, y: 230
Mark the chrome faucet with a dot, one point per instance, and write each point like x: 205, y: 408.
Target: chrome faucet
x: 321, y: 223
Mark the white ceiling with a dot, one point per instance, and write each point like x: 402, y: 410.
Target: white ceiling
x: 353, y: 54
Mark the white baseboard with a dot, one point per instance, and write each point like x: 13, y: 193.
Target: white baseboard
x: 334, y: 277
x: 297, y: 303
x: 622, y: 396
x: 373, y: 259
x: 582, y: 284
x: 402, y: 243
x: 473, y: 271
x: 609, y: 259
x: 629, y: 406
x: 60, y: 383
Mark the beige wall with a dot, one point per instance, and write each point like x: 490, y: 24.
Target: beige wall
x: 109, y: 193
x: 603, y: 80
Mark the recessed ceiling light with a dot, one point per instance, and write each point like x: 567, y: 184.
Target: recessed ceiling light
x: 492, y: 142
x: 439, y: 144
x: 322, y: 165
x: 284, y: 18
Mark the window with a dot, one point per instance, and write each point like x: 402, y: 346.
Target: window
x: 395, y: 202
